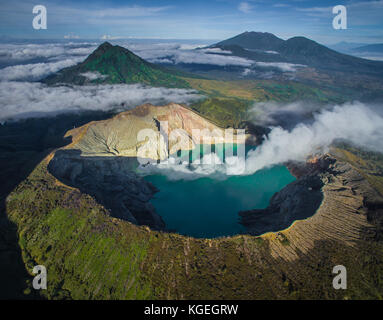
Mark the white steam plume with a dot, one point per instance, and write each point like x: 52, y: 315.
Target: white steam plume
x: 356, y: 123
x: 353, y: 122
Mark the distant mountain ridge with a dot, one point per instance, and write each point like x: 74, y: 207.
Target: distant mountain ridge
x: 345, y: 47
x: 115, y: 64
x: 296, y: 50
x: 254, y: 40
x: 375, y: 48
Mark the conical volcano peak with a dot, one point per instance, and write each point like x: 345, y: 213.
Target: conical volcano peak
x: 115, y: 64
x: 105, y: 45
x: 254, y: 40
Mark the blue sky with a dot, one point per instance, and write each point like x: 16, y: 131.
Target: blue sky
x: 197, y: 19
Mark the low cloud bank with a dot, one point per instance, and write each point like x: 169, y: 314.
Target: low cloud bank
x: 283, y: 66
x: 93, y: 75
x: 174, y: 53
x: 16, y: 53
x: 177, y: 53
x: 31, y: 62
x: 11, y: 54
x: 35, y: 71
x: 24, y: 99
x: 277, y: 66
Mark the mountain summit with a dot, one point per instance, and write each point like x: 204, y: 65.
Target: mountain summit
x: 115, y: 64
x: 266, y: 47
x: 254, y: 41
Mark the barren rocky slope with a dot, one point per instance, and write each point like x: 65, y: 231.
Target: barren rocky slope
x: 119, y: 136
x: 103, y: 156
x: 344, y: 206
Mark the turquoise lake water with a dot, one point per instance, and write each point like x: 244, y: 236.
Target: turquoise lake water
x: 207, y: 207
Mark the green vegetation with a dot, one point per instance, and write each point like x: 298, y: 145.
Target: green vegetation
x: 76, y: 240
x: 224, y: 112
x: 227, y: 102
x: 117, y: 65
x: 294, y: 91
x: 90, y: 255
x: 265, y: 90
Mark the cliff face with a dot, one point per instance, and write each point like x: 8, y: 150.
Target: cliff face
x: 103, y: 156
x: 120, y: 136
x: 336, y: 201
x: 112, y: 182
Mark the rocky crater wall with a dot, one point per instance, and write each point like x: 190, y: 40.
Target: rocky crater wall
x: 112, y: 182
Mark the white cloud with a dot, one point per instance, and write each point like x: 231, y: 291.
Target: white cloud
x: 71, y: 36
x: 93, y: 75
x: 175, y: 53
x: 214, y: 59
x: 217, y: 50
x: 245, y: 7
x: 357, y: 123
x: 14, y: 53
x: 246, y: 72
x: 210, y: 164
x: 283, y: 66
x: 376, y: 58
x: 25, y: 99
x: 109, y: 37
x: 35, y: 71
